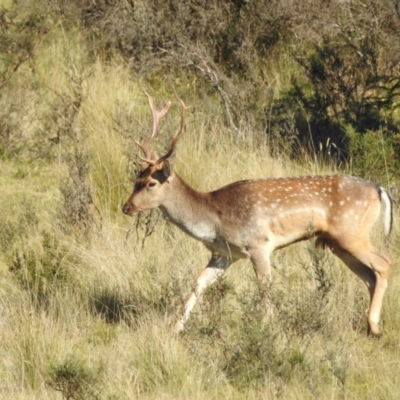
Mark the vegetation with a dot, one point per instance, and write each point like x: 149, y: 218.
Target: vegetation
x: 88, y: 297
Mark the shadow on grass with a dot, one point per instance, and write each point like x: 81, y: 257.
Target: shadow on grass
x: 116, y: 307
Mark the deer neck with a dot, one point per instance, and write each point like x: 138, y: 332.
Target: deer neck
x: 189, y: 209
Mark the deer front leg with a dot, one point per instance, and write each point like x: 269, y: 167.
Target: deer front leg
x: 262, y: 267
x: 214, y: 270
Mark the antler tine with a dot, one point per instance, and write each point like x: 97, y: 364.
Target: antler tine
x: 157, y: 115
x: 176, y: 138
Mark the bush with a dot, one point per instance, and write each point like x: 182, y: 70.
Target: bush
x: 349, y: 80
x: 76, y: 198
x: 220, y: 46
x: 74, y: 379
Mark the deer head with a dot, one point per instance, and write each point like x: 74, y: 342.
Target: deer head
x: 155, y: 172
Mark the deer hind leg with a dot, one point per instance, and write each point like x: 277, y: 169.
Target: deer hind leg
x: 373, y: 268
x: 216, y: 267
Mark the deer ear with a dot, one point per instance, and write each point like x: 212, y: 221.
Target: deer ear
x: 166, y: 169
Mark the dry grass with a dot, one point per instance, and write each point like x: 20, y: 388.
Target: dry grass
x: 95, y: 319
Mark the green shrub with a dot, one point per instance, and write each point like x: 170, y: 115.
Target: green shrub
x: 347, y: 79
x: 74, y: 379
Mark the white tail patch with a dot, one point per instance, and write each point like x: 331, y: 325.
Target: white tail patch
x: 387, y: 211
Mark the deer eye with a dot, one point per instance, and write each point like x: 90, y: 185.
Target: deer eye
x: 152, y: 184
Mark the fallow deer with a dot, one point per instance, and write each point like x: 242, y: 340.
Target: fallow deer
x: 252, y: 218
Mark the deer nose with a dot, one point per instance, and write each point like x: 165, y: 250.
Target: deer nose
x: 125, y: 209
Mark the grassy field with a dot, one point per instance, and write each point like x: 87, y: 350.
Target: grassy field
x: 88, y: 304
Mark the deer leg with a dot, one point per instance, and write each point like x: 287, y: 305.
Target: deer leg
x: 215, y: 269
x: 262, y: 267
x: 373, y: 268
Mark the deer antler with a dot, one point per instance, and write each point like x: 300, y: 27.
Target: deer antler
x: 157, y: 115
x: 176, y: 138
